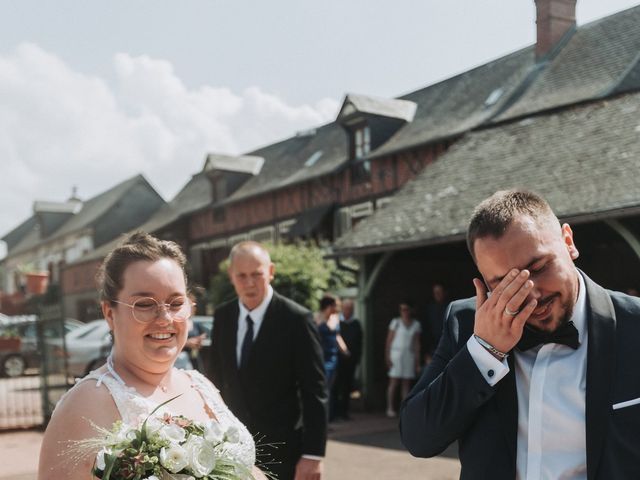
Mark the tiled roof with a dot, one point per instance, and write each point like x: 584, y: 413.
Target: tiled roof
x: 594, y: 63
x: 285, y: 161
x: 16, y: 235
x: 601, y: 58
x: 585, y: 160
x: 48, y: 216
x: 461, y: 103
x: 196, y: 194
x: 91, y: 210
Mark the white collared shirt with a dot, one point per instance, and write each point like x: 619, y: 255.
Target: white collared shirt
x: 257, y: 315
x: 551, y: 384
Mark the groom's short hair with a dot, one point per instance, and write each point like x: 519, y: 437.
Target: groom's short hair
x: 493, y: 216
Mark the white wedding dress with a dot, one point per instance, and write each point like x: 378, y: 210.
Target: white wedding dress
x: 134, y: 409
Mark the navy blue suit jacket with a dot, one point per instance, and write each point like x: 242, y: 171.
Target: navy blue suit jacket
x: 453, y: 402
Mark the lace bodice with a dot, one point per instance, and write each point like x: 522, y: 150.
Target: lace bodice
x: 134, y: 408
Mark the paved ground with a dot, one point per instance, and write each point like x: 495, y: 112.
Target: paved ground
x: 367, y: 447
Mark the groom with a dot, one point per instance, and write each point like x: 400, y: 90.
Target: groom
x: 536, y: 377
x: 267, y: 362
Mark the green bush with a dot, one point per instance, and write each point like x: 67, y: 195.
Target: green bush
x: 302, y: 274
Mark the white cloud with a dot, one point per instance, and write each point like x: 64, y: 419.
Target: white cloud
x: 60, y: 127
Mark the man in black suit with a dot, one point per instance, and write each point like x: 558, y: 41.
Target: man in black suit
x: 267, y: 362
x: 432, y: 324
x: 536, y: 378
x: 351, y: 333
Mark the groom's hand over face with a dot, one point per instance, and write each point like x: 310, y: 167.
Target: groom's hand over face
x: 500, y: 317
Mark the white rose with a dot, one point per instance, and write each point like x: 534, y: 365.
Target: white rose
x: 173, y: 458
x: 232, y: 435
x: 124, y: 434
x: 172, y: 433
x: 100, y: 462
x: 202, y: 457
x: 213, y: 432
x: 153, y: 427
x: 152, y: 477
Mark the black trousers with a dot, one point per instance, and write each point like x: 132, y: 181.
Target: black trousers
x: 342, y: 388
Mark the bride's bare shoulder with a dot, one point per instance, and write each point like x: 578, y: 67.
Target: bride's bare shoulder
x: 84, y: 407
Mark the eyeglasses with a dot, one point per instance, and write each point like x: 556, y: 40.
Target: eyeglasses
x: 147, y: 309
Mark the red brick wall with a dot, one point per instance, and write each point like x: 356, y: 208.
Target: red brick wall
x: 289, y: 201
x: 387, y: 175
x: 80, y: 278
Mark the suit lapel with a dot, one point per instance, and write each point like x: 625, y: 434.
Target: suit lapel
x: 506, y: 398
x: 233, y: 337
x: 601, y: 324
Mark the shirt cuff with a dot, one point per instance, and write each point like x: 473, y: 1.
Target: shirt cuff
x: 313, y: 457
x: 492, y: 369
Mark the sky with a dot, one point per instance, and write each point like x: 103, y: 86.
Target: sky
x: 94, y: 92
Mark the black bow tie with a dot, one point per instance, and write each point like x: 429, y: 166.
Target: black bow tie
x: 567, y: 334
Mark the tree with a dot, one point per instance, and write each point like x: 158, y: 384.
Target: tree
x: 302, y: 274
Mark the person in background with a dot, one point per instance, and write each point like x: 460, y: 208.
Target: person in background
x: 333, y: 345
x: 351, y: 333
x: 191, y: 349
x: 402, y: 354
x: 267, y: 361
x: 432, y: 325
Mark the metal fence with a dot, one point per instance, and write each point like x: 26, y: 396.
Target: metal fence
x: 32, y: 368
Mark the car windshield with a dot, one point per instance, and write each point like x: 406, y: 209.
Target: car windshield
x: 85, y: 331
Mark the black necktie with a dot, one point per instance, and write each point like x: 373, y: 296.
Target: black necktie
x: 566, y: 334
x: 246, y: 343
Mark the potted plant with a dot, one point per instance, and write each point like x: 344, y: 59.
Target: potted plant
x: 10, y: 340
x: 36, y: 281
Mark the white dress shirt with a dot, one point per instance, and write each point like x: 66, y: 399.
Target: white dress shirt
x: 257, y: 315
x: 551, y: 383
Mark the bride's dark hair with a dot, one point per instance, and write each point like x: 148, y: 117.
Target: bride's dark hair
x: 136, y: 247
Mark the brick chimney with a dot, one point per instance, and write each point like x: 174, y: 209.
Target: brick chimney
x: 554, y: 18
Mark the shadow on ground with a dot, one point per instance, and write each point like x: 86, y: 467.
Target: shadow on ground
x: 375, y: 430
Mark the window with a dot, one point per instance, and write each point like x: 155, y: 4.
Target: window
x: 283, y: 229
x: 361, y: 146
x: 361, y: 141
x: 361, y: 172
x: 265, y: 234
x: 220, y: 186
x: 241, y: 237
x: 382, y: 202
x: 348, y: 217
x: 219, y: 215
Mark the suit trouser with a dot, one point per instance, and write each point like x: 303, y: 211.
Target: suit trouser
x: 342, y: 388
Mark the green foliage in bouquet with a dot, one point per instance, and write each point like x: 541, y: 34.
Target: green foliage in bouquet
x: 189, y: 450
x: 302, y: 274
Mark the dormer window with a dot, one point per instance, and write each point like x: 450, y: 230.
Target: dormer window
x: 370, y: 122
x: 361, y: 141
x: 220, y: 187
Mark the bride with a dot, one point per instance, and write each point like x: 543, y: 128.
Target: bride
x: 145, y: 302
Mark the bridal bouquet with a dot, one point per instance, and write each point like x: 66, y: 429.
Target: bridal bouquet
x: 167, y: 447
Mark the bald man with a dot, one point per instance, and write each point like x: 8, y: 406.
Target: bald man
x: 267, y: 361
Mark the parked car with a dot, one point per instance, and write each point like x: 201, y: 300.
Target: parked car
x: 206, y: 325
x: 87, y: 347
x: 24, y: 351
